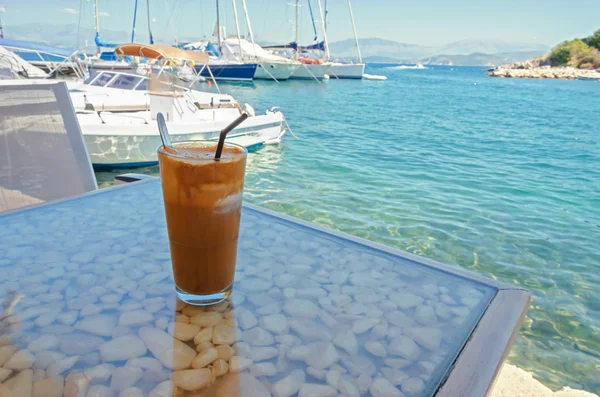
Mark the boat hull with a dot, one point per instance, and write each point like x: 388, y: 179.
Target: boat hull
x: 232, y: 72
x: 347, y: 71
x: 278, y: 70
x: 114, y: 146
x: 310, y: 72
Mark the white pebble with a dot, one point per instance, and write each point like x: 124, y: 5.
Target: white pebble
x: 395, y: 376
x: 363, y: 325
x: 122, y: 348
x: 404, y: 347
x: 316, y: 373
x: 258, y: 337
x: 275, y: 323
x: 347, y: 341
x: 132, y: 392
x: 289, y: 385
x: 192, y: 379
x: 247, y: 320
x: 430, y: 338
x: 239, y: 363
x: 383, y: 388
x: 413, y: 386
x: 375, y: 348
x: 263, y: 369
x: 316, y: 390
x: 125, y: 377
x: 205, y: 358
x: 301, y: 308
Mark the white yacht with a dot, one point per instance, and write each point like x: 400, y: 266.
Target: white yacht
x: 270, y: 66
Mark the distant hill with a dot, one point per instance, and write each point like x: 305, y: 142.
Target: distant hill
x: 65, y: 35
x: 489, y: 47
x: 464, y: 52
x: 379, y: 47
x: 479, y: 59
x: 392, y: 51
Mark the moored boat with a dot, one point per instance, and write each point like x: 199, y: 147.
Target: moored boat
x: 269, y: 65
x: 130, y: 138
x: 339, y: 70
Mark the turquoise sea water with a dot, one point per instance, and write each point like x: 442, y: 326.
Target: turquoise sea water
x: 498, y: 176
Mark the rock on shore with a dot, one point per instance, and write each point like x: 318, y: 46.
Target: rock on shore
x: 541, y: 69
x: 515, y: 382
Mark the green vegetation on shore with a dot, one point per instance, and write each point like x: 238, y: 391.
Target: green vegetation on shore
x: 579, y: 53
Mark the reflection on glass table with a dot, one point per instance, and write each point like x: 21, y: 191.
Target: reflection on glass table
x: 89, y: 309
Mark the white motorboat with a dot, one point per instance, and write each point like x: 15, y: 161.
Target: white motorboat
x: 124, y: 92
x: 270, y: 66
x: 130, y: 139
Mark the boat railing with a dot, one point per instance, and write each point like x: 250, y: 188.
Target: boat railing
x: 74, y: 63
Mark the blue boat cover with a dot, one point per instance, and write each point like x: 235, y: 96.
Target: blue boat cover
x: 100, y: 43
x: 293, y: 45
x: 34, y: 46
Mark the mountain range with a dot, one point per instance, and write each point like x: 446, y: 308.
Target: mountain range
x: 472, y: 52
x: 465, y: 52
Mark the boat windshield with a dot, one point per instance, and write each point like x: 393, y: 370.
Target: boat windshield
x: 103, y: 79
x: 125, y: 82
x: 143, y: 86
x: 91, y: 78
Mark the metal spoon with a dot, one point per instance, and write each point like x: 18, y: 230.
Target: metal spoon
x: 164, y: 133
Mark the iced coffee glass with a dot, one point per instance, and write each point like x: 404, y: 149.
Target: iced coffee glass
x: 203, y: 203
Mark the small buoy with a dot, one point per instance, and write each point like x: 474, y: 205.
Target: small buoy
x: 209, y: 83
x: 325, y: 77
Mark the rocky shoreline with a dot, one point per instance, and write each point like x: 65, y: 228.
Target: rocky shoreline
x: 515, y: 382
x: 540, y: 69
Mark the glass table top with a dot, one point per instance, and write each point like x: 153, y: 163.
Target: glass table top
x: 89, y: 309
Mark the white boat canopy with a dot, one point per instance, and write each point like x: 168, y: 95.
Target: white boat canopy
x: 231, y: 46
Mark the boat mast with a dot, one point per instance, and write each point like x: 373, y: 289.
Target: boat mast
x: 2, y: 11
x: 134, y: 19
x: 326, y: 43
x: 248, y: 21
x: 297, y: 28
x: 219, y: 29
x: 325, y: 8
x: 149, y: 22
x: 237, y: 26
x: 97, y: 17
x: 355, y: 34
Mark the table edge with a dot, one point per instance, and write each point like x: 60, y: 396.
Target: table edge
x: 475, y: 370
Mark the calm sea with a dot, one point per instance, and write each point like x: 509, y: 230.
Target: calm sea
x: 498, y: 176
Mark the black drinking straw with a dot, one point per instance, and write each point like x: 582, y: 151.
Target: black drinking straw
x: 226, y: 131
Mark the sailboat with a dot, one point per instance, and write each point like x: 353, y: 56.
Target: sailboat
x: 347, y: 70
x: 107, y: 60
x: 222, y: 67
x: 312, y: 68
x: 270, y: 66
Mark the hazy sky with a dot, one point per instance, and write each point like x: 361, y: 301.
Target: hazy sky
x: 426, y: 22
